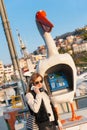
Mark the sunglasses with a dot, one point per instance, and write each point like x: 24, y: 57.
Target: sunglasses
x: 37, y: 82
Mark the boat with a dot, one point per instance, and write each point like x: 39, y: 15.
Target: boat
x: 81, y: 77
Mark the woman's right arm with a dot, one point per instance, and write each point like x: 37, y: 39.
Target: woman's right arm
x: 34, y: 103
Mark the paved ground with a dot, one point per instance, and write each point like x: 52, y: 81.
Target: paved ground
x: 3, y: 125
x: 82, y: 112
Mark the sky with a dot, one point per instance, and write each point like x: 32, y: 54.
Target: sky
x: 66, y: 16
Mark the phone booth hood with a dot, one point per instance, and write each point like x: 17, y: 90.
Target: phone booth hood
x: 59, y: 64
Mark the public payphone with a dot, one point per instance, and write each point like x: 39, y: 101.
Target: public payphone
x: 58, y: 70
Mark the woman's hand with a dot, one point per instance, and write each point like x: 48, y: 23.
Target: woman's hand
x: 60, y: 127
x: 36, y: 90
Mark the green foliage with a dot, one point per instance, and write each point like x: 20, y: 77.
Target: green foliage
x: 80, y: 58
x: 84, y: 36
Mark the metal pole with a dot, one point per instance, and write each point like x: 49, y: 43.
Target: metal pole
x: 11, y: 46
x: 8, y: 35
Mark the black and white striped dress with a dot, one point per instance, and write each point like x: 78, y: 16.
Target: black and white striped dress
x: 31, y: 123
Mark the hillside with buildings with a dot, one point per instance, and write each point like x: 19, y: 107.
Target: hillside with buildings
x: 74, y: 43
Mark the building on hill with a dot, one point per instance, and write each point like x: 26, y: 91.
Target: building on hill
x: 77, y: 48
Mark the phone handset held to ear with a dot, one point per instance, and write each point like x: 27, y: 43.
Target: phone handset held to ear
x: 32, y: 87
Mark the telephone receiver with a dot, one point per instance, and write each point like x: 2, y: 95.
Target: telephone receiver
x: 32, y: 88
x: 41, y: 89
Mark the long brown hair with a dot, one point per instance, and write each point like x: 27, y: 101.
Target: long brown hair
x: 32, y: 80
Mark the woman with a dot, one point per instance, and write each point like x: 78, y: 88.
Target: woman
x: 40, y: 106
